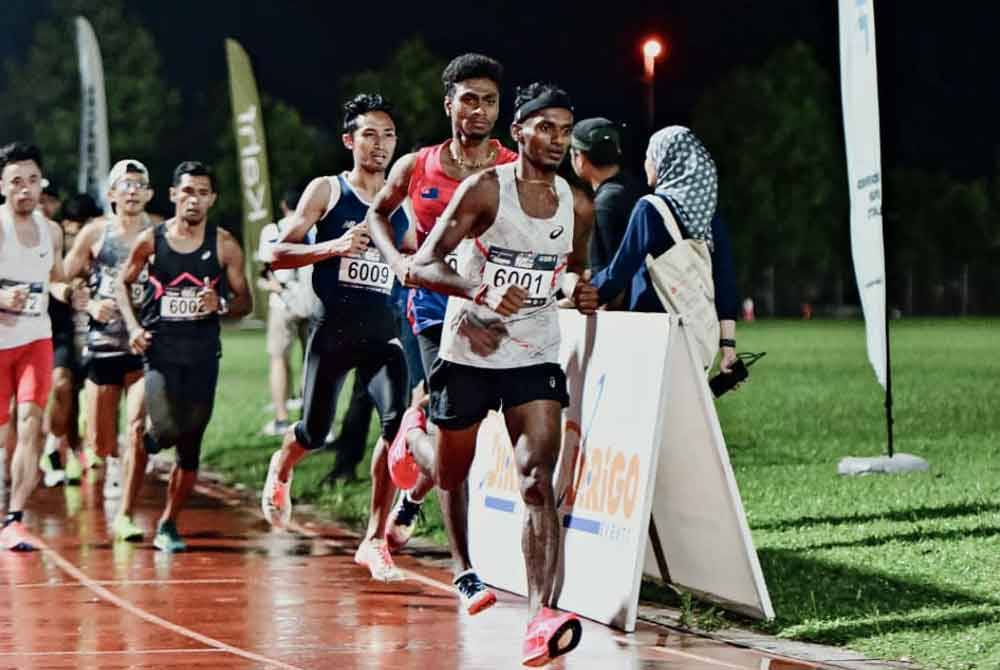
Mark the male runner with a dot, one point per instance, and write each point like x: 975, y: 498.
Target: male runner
x: 519, y: 240
x: 60, y: 462
x: 429, y: 177
x: 355, y: 328
x: 101, y: 249
x: 30, y: 268
x: 192, y: 266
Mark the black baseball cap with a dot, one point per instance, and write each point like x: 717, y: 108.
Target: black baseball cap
x: 598, y: 138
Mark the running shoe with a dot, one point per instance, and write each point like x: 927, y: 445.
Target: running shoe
x: 15, y: 537
x: 74, y: 471
x: 51, y: 464
x: 402, y: 468
x: 374, y: 555
x: 474, y: 594
x: 550, y: 634
x: 274, y: 428
x: 276, y: 500
x: 112, y: 478
x: 168, y: 539
x: 402, y: 522
x: 125, y: 529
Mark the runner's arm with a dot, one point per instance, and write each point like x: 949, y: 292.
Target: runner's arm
x: 77, y: 261
x: 471, y: 211
x: 59, y: 288
x: 289, y: 252
x: 231, y: 256
x: 387, y: 200
x: 138, y: 256
x: 575, y: 281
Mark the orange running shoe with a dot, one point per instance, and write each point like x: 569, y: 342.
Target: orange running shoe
x: 550, y: 634
x: 15, y: 537
x: 402, y: 468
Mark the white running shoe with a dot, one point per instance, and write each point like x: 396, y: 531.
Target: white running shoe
x: 276, y: 500
x: 112, y: 478
x: 374, y: 555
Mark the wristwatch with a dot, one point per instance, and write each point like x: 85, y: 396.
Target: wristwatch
x: 727, y: 342
x: 223, y: 306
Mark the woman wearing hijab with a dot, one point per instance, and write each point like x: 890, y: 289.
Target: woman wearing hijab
x: 682, y: 174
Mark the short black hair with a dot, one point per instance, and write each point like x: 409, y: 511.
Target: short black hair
x: 534, y: 90
x: 363, y: 103
x: 16, y: 152
x: 195, y: 169
x: 80, y: 208
x: 471, y: 66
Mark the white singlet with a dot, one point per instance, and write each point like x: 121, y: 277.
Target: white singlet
x: 518, y: 249
x: 30, y: 267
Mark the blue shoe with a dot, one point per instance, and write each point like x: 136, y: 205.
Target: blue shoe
x: 168, y: 539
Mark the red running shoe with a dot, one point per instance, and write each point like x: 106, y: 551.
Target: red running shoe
x: 550, y: 634
x: 15, y: 537
x: 402, y: 468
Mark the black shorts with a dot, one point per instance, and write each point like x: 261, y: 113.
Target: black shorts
x: 179, y: 402
x: 462, y: 395
x: 64, y: 353
x: 429, y: 341
x: 111, y: 370
x: 358, y: 337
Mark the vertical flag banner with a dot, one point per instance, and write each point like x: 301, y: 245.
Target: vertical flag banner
x: 251, y: 147
x: 94, y: 158
x: 859, y: 93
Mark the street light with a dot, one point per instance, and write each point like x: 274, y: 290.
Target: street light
x: 652, y: 48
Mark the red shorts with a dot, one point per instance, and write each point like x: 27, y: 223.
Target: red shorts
x: 27, y: 371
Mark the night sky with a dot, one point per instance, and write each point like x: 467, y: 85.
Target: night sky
x: 939, y: 96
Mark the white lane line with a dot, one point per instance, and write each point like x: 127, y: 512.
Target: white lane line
x: 128, y: 582
x: 107, y: 595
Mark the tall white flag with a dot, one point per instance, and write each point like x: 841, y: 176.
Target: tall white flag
x: 859, y: 92
x: 94, y: 159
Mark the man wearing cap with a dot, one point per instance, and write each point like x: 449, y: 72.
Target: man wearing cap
x: 100, y: 251
x: 519, y: 238
x: 595, y: 154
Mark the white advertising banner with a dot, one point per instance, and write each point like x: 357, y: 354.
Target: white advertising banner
x: 94, y: 156
x: 859, y: 95
x: 616, y: 433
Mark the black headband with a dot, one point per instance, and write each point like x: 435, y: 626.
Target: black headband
x: 548, y: 98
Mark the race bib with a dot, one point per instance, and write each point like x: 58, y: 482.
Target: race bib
x: 533, y: 272
x: 37, y: 302
x: 367, y: 271
x: 181, y: 304
x: 106, y: 289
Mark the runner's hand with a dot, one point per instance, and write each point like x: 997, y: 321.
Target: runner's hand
x: 505, y: 300
x: 727, y: 360
x: 483, y: 338
x: 139, y: 340
x: 14, y: 298
x: 401, y: 268
x: 585, y: 295
x: 351, y: 243
x: 208, y: 299
x: 102, y: 310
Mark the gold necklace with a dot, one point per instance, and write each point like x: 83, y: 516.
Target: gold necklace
x: 462, y: 164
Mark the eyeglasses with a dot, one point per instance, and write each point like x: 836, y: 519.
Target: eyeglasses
x: 125, y: 185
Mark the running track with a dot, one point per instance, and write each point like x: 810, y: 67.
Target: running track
x: 246, y: 597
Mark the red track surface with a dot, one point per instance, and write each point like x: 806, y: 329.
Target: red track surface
x: 246, y: 597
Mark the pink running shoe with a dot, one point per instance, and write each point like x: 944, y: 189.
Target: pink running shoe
x: 403, y: 470
x: 550, y: 634
x: 15, y: 537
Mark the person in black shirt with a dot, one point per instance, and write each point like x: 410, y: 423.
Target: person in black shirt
x: 595, y: 154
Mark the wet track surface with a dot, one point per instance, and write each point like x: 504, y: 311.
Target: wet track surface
x: 244, y: 596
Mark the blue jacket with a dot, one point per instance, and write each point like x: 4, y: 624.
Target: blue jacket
x: 646, y: 234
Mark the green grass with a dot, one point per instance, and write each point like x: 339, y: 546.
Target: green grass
x: 891, y: 566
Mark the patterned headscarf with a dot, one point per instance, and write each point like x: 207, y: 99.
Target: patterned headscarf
x: 685, y: 173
